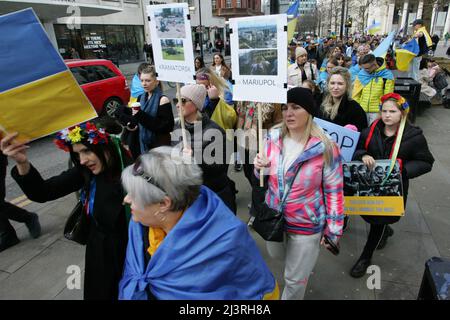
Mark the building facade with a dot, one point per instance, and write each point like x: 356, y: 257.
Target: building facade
x: 307, y: 7
x: 95, y: 28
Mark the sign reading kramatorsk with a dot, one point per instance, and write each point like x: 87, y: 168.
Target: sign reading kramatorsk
x: 170, y: 30
x: 367, y: 192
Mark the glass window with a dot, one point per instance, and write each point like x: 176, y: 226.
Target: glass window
x: 82, y: 76
x: 102, y: 72
x: 228, y: 4
x: 214, y: 4
x: 238, y: 3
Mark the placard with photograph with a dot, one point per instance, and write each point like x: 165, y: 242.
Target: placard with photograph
x: 170, y: 30
x: 366, y: 194
x: 259, y: 58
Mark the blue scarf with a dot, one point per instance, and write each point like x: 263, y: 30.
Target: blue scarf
x: 136, y: 87
x: 209, y: 254
x: 365, y: 77
x: 150, y: 107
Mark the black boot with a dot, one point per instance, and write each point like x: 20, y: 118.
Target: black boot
x: 360, y: 268
x: 389, y: 232
x: 7, y: 240
x: 34, y: 227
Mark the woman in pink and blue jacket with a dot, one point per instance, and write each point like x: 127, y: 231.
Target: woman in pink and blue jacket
x: 314, y: 205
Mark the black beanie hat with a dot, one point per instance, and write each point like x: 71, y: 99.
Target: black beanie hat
x: 304, y: 98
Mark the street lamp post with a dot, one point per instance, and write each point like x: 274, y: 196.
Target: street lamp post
x: 201, y: 31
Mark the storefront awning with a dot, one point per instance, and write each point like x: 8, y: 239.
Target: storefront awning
x: 53, y: 9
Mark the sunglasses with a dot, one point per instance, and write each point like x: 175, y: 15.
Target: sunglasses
x: 183, y: 101
x: 138, y: 171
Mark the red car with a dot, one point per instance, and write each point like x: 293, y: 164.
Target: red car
x: 102, y: 82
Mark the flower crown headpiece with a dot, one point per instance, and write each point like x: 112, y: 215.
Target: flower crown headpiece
x: 86, y: 131
x: 401, y: 102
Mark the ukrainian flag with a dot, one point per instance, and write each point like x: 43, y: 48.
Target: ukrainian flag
x: 38, y: 93
x: 374, y: 27
x: 292, y: 11
x: 404, y: 56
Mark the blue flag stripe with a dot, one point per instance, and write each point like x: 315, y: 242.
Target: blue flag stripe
x: 26, y: 53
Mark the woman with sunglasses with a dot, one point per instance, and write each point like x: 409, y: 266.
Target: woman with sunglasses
x: 208, y: 148
x: 378, y: 142
x: 98, y: 160
x: 184, y: 242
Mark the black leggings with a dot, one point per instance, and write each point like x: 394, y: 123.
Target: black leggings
x: 375, y: 235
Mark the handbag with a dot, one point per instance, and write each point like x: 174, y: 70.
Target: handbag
x: 269, y: 223
x: 77, y: 225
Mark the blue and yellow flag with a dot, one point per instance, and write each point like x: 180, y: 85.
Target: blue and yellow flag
x: 292, y: 11
x: 404, y: 56
x: 208, y: 255
x: 374, y: 27
x: 383, y: 47
x: 38, y: 93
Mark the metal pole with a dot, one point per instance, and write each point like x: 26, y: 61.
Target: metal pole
x: 201, y: 30
x: 342, y: 19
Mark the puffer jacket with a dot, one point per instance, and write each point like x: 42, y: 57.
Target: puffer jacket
x: 369, y: 96
x: 295, y: 74
x: 316, y: 200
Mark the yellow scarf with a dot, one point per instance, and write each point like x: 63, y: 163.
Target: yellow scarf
x: 156, y: 237
x: 427, y: 36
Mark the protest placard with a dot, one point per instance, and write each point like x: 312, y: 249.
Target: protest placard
x: 369, y: 192
x: 38, y: 93
x: 259, y: 58
x: 170, y: 30
x: 346, y: 139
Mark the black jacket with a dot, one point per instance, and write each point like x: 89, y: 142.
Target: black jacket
x: 161, y: 125
x: 215, y: 175
x: 349, y: 112
x: 415, y: 156
x: 107, y: 242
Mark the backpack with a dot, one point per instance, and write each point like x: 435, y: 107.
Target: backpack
x: 440, y: 81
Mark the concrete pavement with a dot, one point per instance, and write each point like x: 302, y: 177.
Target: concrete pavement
x: 36, y: 269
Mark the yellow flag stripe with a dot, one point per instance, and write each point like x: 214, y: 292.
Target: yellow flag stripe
x: 45, y: 106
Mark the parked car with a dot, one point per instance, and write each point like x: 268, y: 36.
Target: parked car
x: 102, y: 82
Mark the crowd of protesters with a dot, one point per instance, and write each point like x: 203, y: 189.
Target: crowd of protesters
x: 184, y: 240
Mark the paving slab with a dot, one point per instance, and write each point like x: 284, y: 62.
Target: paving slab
x: 4, y: 275
x: 45, y: 276
x: 396, y: 291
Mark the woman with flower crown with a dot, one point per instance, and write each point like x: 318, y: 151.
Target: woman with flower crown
x: 390, y: 136
x: 98, y: 161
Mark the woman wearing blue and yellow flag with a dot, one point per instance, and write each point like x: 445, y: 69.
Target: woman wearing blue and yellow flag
x: 184, y: 243
x: 425, y: 45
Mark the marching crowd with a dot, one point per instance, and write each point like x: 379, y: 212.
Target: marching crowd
x: 183, y: 239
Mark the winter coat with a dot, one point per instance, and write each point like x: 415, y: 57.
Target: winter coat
x: 316, y: 200
x: 295, y: 74
x: 107, y: 240
x: 349, y: 112
x: 215, y: 175
x: 368, y: 96
x: 414, y: 156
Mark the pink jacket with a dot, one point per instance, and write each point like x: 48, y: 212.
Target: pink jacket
x: 316, y: 200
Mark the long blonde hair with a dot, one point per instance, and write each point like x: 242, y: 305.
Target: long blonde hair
x: 313, y: 130
x: 329, y: 108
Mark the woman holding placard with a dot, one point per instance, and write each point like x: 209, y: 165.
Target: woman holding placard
x: 305, y: 183
x: 390, y: 137
x: 338, y: 107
